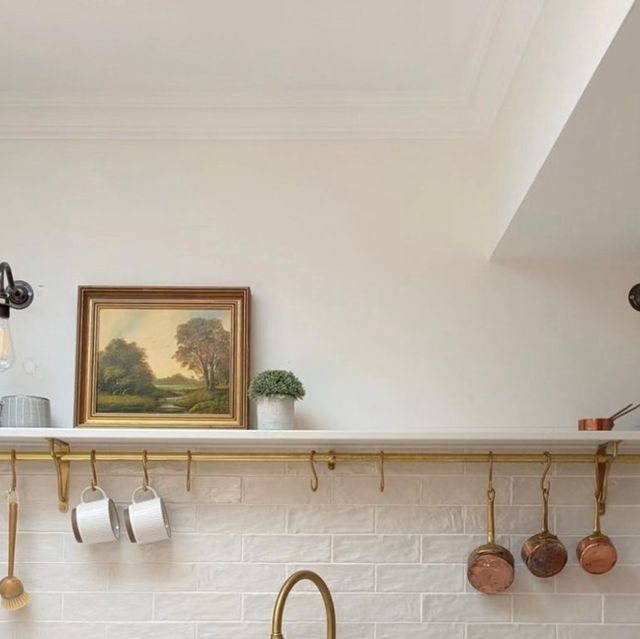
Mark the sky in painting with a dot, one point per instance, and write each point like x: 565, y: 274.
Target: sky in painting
x: 154, y: 330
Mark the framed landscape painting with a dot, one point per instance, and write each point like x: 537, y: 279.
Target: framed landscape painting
x: 162, y: 357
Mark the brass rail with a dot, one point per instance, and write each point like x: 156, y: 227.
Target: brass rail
x: 329, y: 457
x: 62, y: 456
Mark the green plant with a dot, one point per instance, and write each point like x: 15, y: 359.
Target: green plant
x: 276, y: 383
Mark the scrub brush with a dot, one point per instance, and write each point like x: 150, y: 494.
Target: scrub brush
x: 11, y: 589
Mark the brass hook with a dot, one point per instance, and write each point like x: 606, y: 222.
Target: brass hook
x: 381, y: 471
x: 14, y: 481
x: 94, y: 474
x: 145, y: 470
x: 545, y: 487
x: 491, y: 492
x: 314, y: 474
x: 189, y: 471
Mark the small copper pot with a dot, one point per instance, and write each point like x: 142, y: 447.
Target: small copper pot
x: 544, y: 554
x: 596, y: 553
x: 605, y: 423
x: 490, y: 567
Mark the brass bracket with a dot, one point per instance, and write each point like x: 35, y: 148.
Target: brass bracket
x: 331, y: 464
x: 603, y: 466
x: 58, y: 448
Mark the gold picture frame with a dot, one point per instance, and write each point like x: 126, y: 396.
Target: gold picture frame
x: 162, y: 357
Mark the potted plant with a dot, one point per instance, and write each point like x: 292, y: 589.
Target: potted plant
x: 275, y: 392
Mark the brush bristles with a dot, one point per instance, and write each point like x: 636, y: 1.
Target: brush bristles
x: 15, y: 603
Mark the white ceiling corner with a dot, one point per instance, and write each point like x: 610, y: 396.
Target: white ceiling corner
x: 209, y: 69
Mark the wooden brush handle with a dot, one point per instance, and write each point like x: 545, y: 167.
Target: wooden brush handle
x: 13, y: 528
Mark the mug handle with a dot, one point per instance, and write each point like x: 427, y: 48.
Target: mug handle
x: 137, y: 490
x: 84, y: 492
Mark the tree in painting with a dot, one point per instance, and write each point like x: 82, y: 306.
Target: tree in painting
x: 204, y: 348
x: 125, y: 379
x: 123, y: 369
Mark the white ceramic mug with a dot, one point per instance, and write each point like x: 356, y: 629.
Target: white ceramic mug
x: 25, y: 411
x: 147, y: 521
x: 96, y: 521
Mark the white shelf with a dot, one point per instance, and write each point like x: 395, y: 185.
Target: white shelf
x: 253, y: 440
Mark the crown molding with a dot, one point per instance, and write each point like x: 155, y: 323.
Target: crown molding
x: 343, y: 115
x: 335, y: 115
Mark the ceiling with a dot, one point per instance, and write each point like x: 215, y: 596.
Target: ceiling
x: 585, y: 200
x: 209, y: 68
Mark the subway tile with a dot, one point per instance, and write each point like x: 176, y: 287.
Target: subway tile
x: 196, y: 606
x: 330, y: 519
x: 464, y: 490
x: 465, y: 607
x: 286, y: 548
x: 419, y: 519
x: 415, y: 630
x: 621, y: 580
x: 43, y: 607
x: 378, y: 607
x: 449, y: 549
x: 210, y: 490
x: 604, y: 631
x: 241, y: 629
x: 376, y: 548
x: 152, y: 577
x: 284, y: 490
x: 111, y: 606
x: 241, y: 577
x: 565, y: 491
x: 59, y: 630
x: 557, y: 608
x: 621, y: 609
x: 154, y: 630
x: 62, y: 577
x: 35, y: 547
x: 366, y: 490
x: 525, y: 582
x: 509, y: 519
x: 241, y: 519
x: 619, y: 520
x: 510, y: 631
x: 420, y: 578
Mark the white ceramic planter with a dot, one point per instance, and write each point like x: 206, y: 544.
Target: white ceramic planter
x: 275, y: 412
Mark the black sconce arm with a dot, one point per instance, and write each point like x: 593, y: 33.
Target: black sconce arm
x: 15, y: 294
x: 634, y: 297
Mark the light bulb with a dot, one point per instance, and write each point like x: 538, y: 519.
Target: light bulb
x: 7, y: 356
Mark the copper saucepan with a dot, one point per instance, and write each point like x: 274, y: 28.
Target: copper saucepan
x: 490, y: 567
x: 605, y: 423
x: 544, y: 554
x: 596, y: 552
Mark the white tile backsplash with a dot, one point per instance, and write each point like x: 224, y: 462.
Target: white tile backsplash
x: 394, y: 561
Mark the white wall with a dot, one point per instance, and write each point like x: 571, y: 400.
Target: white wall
x: 367, y: 265
x: 565, y: 49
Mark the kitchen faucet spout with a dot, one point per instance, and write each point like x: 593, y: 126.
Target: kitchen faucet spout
x: 285, y: 591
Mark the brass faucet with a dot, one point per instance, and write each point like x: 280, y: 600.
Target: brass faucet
x: 285, y: 591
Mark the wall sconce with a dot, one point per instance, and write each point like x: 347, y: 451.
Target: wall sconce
x: 14, y: 294
x: 634, y: 297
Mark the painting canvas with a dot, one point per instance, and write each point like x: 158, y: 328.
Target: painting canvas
x: 162, y: 357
